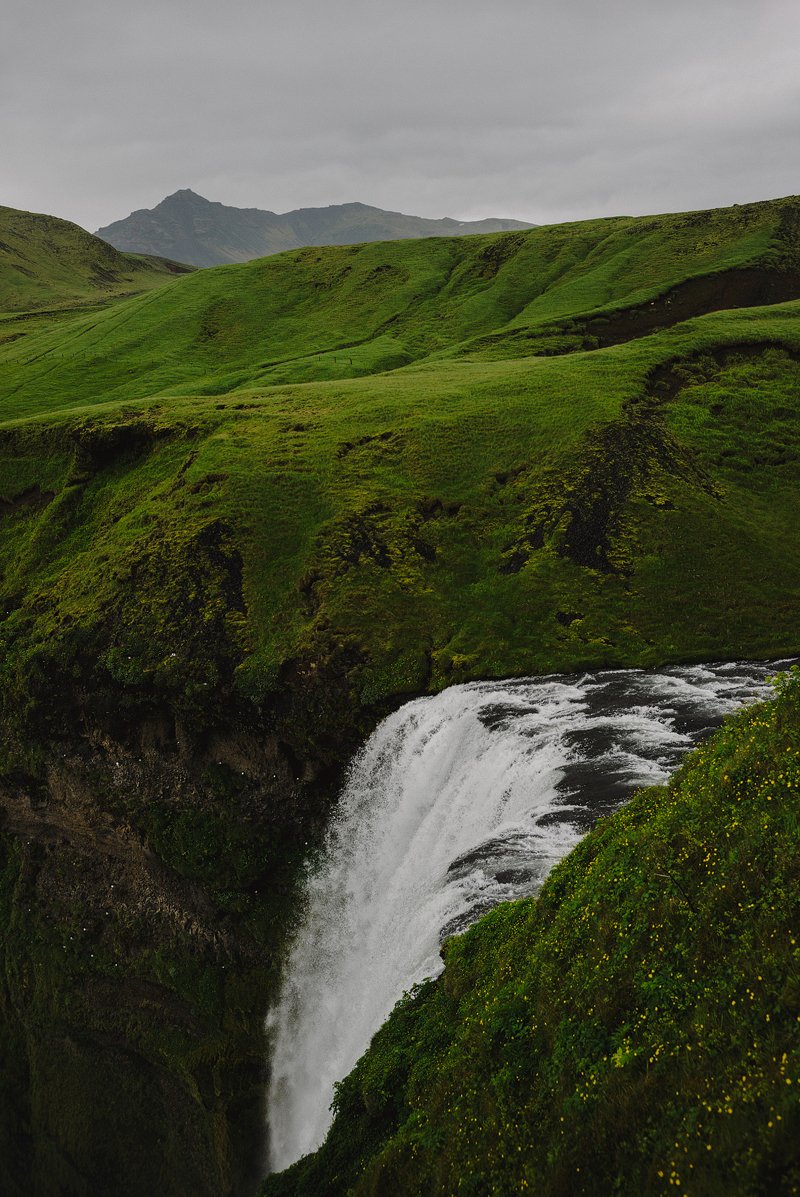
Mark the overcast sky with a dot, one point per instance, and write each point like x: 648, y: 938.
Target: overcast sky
x: 537, y: 109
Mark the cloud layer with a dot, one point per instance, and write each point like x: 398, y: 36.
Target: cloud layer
x: 539, y: 110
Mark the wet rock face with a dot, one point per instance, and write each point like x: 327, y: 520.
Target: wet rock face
x: 152, y: 821
x: 146, y: 886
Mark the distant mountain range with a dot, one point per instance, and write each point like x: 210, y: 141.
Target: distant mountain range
x: 188, y: 228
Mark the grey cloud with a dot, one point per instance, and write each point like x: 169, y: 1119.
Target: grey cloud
x: 545, y: 111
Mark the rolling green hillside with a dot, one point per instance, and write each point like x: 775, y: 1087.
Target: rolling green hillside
x: 320, y: 314
x: 438, y: 519
x: 244, y: 514
x: 445, y: 522
x: 46, y: 262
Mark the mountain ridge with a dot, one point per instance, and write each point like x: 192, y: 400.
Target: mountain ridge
x: 202, y: 232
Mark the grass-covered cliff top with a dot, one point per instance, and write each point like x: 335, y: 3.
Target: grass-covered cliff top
x: 634, y: 1030
x: 573, y: 468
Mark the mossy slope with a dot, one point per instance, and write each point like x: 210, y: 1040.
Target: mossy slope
x: 634, y: 1030
x: 45, y: 261
x: 625, y: 507
x: 342, y: 312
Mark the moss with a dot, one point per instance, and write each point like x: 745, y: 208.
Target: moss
x: 204, y: 846
x: 161, y: 1044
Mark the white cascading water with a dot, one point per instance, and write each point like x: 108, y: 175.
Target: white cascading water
x: 456, y: 803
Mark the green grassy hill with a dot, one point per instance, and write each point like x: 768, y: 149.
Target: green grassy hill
x: 47, y: 262
x: 626, y: 507
x: 339, y: 312
x: 634, y: 1030
x: 440, y: 519
x: 244, y: 514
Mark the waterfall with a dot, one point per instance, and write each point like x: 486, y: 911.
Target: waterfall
x: 455, y: 803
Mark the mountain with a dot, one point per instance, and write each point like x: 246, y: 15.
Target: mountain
x: 191, y: 229
x: 46, y: 261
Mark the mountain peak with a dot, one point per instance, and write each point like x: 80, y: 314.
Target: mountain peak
x: 186, y: 227
x: 184, y: 193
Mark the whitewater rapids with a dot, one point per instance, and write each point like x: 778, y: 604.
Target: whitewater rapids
x: 456, y: 803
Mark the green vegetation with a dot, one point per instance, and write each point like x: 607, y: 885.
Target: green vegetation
x: 316, y: 315
x: 435, y: 520
x: 47, y: 262
x: 245, y: 513
x: 634, y: 1030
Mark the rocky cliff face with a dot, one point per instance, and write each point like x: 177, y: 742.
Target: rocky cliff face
x: 148, y: 868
